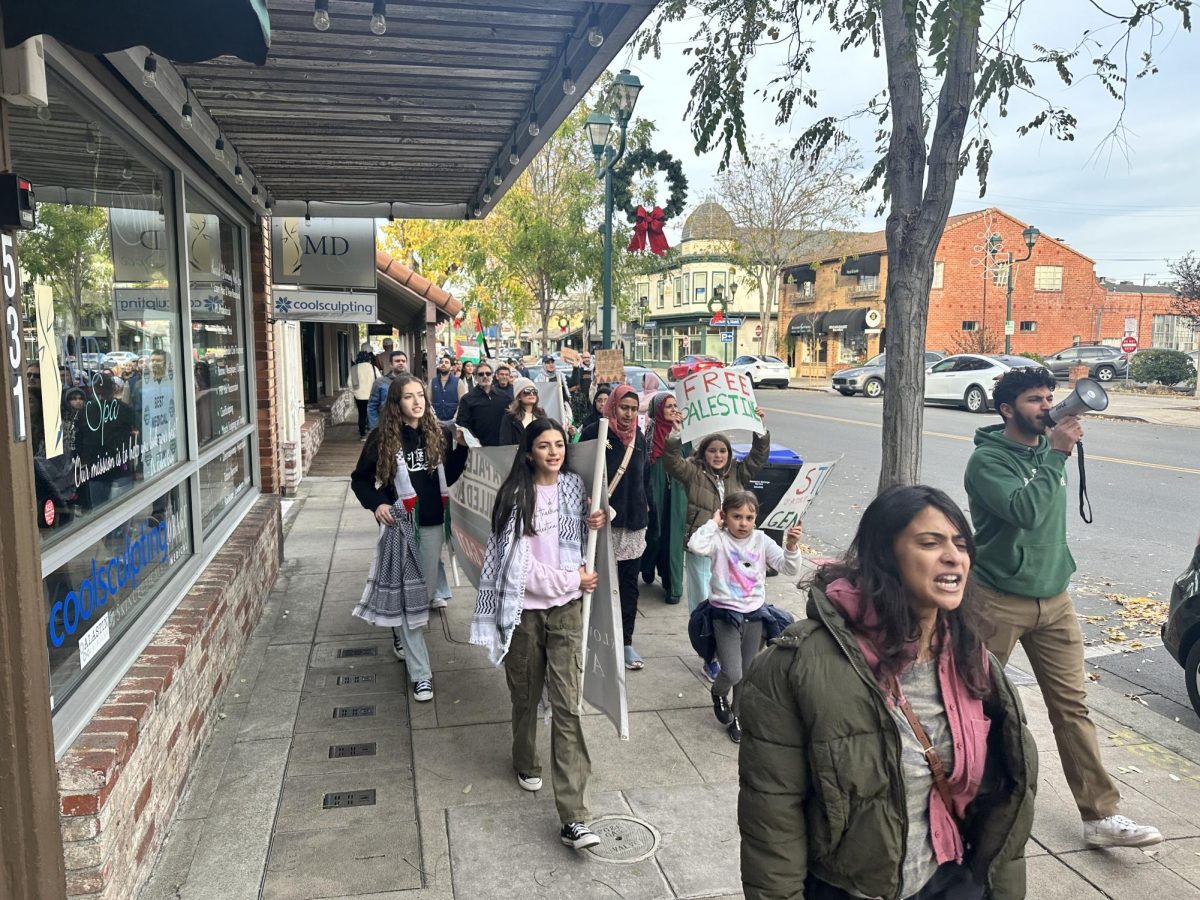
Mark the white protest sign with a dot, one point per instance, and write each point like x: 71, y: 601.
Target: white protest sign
x: 792, y: 505
x: 717, y: 400
x: 468, y: 437
x: 472, y: 498
x: 551, y: 399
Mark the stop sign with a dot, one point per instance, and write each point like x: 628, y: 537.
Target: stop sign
x: 1129, y: 345
x: 758, y: 331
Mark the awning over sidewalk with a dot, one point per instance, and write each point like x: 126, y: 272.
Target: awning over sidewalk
x: 848, y: 320
x: 805, y: 323
x: 421, y: 120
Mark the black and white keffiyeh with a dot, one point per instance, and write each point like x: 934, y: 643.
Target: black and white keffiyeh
x: 395, y: 591
x: 506, y: 566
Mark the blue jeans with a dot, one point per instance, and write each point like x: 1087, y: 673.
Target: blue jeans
x: 699, y: 573
x: 416, y: 653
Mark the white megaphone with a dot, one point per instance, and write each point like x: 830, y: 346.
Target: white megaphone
x: 1088, y: 397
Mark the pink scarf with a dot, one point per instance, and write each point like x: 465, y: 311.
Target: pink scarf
x: 627, y: 434
x: 968, y: 725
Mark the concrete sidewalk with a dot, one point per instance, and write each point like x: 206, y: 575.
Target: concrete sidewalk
x: 429, y: 808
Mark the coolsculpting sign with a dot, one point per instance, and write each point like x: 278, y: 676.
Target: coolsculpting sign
x: 717, y: 400
x: 471, y: 500
x: 325, y: 306
x: 142, y: 304
x: 331, y: 253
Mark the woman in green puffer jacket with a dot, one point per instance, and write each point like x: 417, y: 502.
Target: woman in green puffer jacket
x: 847, y: 717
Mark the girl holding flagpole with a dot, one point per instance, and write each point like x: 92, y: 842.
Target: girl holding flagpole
x: 529, y: 614
x: 403, y: 476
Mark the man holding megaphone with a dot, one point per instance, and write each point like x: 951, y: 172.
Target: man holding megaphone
x: 1017, y: 486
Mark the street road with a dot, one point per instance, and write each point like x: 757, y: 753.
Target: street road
x: 1144, y: 484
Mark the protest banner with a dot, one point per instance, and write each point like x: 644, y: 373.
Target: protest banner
x: 790, y: 509
x: 610, y: 367
x: 570, y: 355
x: 717, y: 400
x: 471, y: 500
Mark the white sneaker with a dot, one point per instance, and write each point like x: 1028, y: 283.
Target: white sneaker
x: 1119, y: 831
x: 529, y: 782
x: 423, y: 691
x: 439, y: 603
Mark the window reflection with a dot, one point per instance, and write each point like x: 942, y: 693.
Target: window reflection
x: 102, y: 317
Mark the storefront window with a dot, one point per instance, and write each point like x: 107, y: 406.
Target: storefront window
x: 92, y: 599
x: 700, y: 287
x: 720, y: 287
x: 102, y: 311
x: 218, y: 332
x: 222, y: 480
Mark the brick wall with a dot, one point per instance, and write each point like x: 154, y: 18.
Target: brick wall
x: 296, y: 457
x: 120, y: 781
x: 264, y: 354
x: 343, y: 408
x: 1061, y: 317
x: 1136, y: 305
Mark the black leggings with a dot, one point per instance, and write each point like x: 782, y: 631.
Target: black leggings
x: 951, y: 881
x: 627, y: 586
x: 362, y: 416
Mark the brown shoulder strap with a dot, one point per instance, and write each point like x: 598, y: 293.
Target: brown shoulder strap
x: 612, y: 485
x: 940, y: 784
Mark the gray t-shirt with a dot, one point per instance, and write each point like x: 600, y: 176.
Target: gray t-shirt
x: 924, y: 694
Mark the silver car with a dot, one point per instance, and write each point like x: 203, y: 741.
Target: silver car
x: 867, y: 379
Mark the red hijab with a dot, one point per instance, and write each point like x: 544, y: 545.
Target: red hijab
x: 662, y: 426
x: 627, y: 435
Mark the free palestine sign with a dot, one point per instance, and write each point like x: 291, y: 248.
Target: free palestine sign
x: 717, y: 400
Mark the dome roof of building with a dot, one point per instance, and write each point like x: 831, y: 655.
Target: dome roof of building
x: 709, y: 222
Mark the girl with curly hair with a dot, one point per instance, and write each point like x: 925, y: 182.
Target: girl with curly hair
x: 403, y: 476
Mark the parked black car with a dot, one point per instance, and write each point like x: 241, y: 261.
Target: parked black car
x: 1104, y: 363
x: 1181, y: 631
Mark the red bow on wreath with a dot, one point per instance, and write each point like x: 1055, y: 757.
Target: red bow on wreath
x: 649, y: 223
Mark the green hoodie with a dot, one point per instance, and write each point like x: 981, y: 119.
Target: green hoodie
x: 1018, y: 497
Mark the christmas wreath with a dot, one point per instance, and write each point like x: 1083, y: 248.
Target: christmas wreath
x: 648, y: 224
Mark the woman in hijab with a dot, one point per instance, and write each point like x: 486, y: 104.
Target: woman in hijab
x: 668, y: 503
x: 596, y: 411
x: 628, y: 480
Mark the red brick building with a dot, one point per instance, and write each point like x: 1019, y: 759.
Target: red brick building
x: 1144, y: 311
x: 835, y: 299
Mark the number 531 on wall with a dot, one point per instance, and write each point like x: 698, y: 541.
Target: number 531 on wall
x: 13, y: 333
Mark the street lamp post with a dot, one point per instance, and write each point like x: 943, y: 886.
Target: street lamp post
x: 626, y: 88
x: 1030, y: 236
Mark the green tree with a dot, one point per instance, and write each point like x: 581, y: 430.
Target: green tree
x: 945, y: 73
x: 69, y: 250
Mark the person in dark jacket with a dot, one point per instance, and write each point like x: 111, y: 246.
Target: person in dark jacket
x: 482, y: 408
x: 629, y: 498
x: 521, y: 412
x: 445, y: 391
x: 410, y: 447
x: 596, y: 408
x: 668, y: 503
x: 884, y: 752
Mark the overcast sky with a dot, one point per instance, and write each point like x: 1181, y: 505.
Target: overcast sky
x: 1130, y: 212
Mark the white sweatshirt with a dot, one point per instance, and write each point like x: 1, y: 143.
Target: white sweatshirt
x: 739, y: 567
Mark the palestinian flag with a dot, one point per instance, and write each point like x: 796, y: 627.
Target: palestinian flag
x: 479, y: 338
x: 466, y: 351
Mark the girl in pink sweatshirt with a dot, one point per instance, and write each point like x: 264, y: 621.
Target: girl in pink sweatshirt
x: 740, y: 554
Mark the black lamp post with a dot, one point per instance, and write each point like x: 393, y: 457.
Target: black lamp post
x: 1030, y: 235
x: 626, y: 88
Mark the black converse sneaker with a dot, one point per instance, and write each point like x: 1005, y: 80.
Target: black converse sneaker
x: 578, y: 836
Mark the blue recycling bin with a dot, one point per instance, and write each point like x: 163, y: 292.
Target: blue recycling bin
x: 773, y: 481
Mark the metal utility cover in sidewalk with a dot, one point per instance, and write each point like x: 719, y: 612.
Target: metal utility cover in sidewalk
x: 624, y: 839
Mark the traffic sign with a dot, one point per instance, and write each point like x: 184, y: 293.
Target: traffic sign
x: 726, y: 337
x: 1010, y: 327
x: 758, y: 331
x: 1129, y: 345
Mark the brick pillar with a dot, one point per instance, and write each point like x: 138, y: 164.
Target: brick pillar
x: 263, y: 360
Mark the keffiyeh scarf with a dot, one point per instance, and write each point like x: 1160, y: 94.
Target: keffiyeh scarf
x: 395, y: 593
x: 506, y: 566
